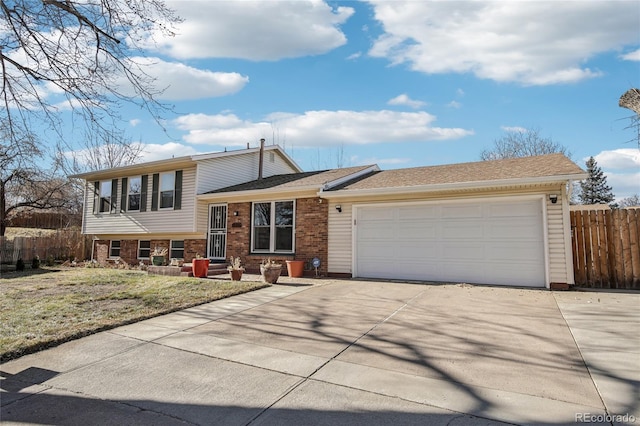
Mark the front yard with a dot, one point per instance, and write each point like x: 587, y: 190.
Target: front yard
x: 46, y: 307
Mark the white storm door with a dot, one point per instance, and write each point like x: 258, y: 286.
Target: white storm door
x: 217, y: 241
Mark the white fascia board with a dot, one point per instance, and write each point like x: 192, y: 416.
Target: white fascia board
x: 149, y: 167
x: 260, y: 193
x: 340, y: 181
x: 346, y: 193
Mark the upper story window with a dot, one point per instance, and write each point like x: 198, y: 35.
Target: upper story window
x: 105, y: 196
x: 134, y: 192
x: 167, y: 188
x: 273, y: 227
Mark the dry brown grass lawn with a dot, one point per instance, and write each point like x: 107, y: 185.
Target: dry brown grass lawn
x: 43, y: 308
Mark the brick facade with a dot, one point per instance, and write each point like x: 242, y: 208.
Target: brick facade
x: 311, y: 234
x: 129, y: 250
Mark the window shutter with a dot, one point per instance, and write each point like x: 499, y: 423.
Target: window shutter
x: 143, y: 193
x: 123, y: 196
x: 177, y: 203
x: 96, y: 196
x: 154, y: 191
x: 114, y: 195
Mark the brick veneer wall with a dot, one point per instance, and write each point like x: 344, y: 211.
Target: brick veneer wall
x: 311, y: 235
x: 129, y: 250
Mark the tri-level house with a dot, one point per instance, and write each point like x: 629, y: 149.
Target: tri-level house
x: 502, y: 222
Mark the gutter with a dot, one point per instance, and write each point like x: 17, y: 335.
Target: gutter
x: 349, y: 193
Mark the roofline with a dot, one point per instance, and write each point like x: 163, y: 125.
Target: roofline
x: 339, y: 181
x: 275, y: 147
x: 186, y: 160
x: 254, y: 192
x: 346, y: 193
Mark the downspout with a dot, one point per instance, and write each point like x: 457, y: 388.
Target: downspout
x: 261, y: 159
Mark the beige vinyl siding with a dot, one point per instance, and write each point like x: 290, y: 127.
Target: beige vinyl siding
x: 560, y: 269
x: 340, y: 226
x: 220, y: 172
x: 556, y: 242
x: 160, y: 221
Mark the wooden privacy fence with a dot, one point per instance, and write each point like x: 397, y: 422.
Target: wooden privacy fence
x: 605, y: 248
x: 64, y: 244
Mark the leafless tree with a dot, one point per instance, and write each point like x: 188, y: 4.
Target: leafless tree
x: 24, y: 183
x: 632, y: 201
x: 522, y: 143
x: 77, y: 55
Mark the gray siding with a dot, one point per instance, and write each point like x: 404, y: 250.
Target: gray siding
x: 220, y: 172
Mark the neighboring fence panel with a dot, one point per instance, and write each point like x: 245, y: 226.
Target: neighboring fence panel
x: 606, y: 253
x: 64, y: 244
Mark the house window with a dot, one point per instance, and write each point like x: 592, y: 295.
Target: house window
x: 144, y: 249
x: 177, y: 249
x: 135, y: 187
x: 105, y: 196
x: 273, y: 227
x: 167, y: 187
x: 114, y: 248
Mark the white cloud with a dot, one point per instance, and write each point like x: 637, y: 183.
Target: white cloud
x: 404, y: 99
x: 530, y: 42
x: 317, y: 128
x: 153, y: 152
x: 623, y: 184
x: 454, y: 104
x: 460, y: 92
x: 182, y: 82
x: 618, y: 159
x: 516, y: 129
x: 632, y: 56
x: 134, y: 122
x: 263, y: 30
x: 354, y: 56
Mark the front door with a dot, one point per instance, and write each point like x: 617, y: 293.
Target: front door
x: 217, y: 244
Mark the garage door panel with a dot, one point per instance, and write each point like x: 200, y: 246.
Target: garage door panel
x: 461, y: 230
x: 485, y: 242
x: 522, y: 209
x: 511, y: 231
x: 376, y: 231
x: 413, y: 230
x: 462, y: 250
x: 462, y: 211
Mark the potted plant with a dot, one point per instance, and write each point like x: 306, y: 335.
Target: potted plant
x: 235, y: 268
x: 158, y: 255
x: 270, y: 271
x: 200, y: 266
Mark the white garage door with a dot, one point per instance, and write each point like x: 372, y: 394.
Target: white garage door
x: 490, y: 242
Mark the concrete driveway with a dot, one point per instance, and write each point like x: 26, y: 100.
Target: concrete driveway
x: 348, y: 352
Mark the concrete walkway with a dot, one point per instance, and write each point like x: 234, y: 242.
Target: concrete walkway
x: 347, y: 352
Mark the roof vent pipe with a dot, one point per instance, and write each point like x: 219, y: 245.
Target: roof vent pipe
x: 261, y: 159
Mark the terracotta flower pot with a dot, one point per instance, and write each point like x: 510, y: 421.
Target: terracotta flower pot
x: 295, y: 268
x: 236, y: 274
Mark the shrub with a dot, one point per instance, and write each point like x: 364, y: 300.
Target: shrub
x: 20, y: 265
x: 50, y: 260
x: 35, y: 262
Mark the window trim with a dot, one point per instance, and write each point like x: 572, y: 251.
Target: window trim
x: 272, y: 228
x: 129, y: 193
x: 119, y: 248
x: 171, y: 249
x: 172, y: 190
x: 100, y: 197
x: 140, y: 248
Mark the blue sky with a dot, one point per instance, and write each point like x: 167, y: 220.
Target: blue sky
x: 398, y: 83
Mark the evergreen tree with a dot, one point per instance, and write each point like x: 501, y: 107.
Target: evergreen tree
x: 594, y: 190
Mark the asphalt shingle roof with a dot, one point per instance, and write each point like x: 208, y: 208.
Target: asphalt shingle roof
x: 512, y: 168
x: 292, y: 180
